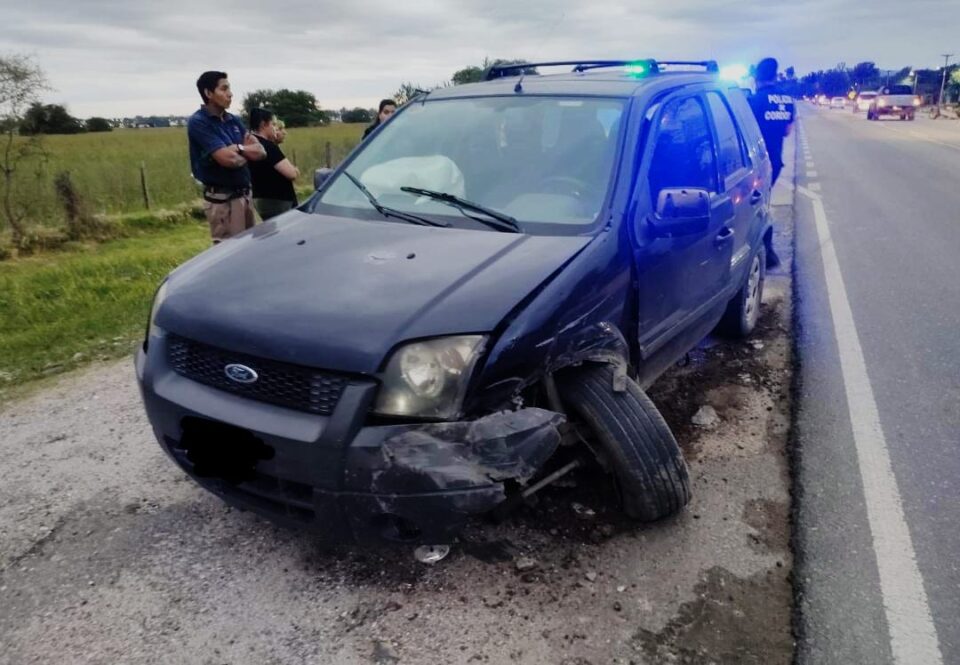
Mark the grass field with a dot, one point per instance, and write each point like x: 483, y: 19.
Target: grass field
x: 105, y: 167
x: 62, y: 310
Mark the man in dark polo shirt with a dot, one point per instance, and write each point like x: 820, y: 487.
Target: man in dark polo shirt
x: 220, y: 148
x: 272, y: 177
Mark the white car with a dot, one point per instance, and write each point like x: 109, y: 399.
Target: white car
x: 864, y: 99
x: 837, y: 103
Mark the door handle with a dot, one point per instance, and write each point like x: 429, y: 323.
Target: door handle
x: 756, y: 197
x: 726, y: 234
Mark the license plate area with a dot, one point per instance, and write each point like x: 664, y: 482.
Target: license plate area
x: 218, y: 450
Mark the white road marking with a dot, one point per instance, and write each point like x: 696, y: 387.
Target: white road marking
x: 810, y: 164
x: 812, y: 174
x: 913, y: 636
x: 814, y: 186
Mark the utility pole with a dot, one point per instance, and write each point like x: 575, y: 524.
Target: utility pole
x: 943, y: 83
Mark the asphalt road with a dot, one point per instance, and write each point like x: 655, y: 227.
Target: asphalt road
x: 878, y: 312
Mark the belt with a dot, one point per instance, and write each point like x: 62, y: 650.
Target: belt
x: 229, y: 193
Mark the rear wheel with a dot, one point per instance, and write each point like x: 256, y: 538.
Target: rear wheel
x: 631, y: 441
x: 743, y: 310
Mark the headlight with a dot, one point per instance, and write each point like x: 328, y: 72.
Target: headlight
x: 428, y: 379
x: 152, y: 329
x: 881, y: 103
x: 916, y: 101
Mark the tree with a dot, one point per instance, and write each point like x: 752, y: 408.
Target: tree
x: 297, y: 108
x: 473, y: 74
x: 865, y: 75
x: 21, y: 82
x: 467, y: 75
x: 96, y: 124
x: 835, y: 82
x: 49, y: 119
x: 357, y: 115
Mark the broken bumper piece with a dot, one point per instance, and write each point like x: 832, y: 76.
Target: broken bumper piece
x: 404, y: 483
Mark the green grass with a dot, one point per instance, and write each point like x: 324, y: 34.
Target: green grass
x: 61, y: 311
x: 105, y: 168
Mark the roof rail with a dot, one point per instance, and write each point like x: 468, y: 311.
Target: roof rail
x: 709, y: 65
x: 649, y: 65
x: 501, y: 71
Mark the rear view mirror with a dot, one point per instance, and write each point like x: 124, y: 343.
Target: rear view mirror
x: 320, y: 176
x: 681, y: 212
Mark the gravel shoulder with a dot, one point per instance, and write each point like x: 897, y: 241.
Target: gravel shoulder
x: 108, y: 553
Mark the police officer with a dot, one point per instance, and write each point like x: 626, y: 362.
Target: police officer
x: 775, y: 113
x: 220, y: 148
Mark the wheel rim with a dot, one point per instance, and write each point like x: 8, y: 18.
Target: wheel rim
x: 752, y: 305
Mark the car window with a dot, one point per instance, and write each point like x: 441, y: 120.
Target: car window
x: 684, y: 154
x: 898, y: 90
x: 729, y: 143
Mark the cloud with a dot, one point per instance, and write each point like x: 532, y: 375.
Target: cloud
x: 109, y: 58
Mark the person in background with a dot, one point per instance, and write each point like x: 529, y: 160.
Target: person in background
x: 775, y: 112
x: 281, y: 130
x: 272, y: 177
x: 220, y: 151
x: 387, y: 108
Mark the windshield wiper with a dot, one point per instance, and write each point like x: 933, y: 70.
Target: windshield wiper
x: 498, y: 220
x: 390, y: 212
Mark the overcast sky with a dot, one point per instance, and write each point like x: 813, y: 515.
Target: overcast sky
x: 114, y: 58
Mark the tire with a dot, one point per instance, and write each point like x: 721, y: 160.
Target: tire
x: 743, y: 310
x: 911, y: 117
x: 650, y: 473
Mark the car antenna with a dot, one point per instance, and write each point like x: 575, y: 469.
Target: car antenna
x: 549, y: 33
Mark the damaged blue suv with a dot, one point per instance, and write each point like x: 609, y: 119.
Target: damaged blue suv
x: 488, y: 281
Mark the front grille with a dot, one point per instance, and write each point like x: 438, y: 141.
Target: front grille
x: 283, y: 384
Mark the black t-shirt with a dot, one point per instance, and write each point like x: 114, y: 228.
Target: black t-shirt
x: 774, y: 111
x: 268, y: 182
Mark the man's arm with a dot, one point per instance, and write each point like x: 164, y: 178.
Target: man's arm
x: 230, y: 156
x: 287, y: 170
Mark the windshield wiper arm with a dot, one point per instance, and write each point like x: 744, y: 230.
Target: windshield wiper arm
x: 498, y: 220
x: 390, y: 212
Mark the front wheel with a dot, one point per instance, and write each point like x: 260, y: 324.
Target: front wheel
x: 632, y: 442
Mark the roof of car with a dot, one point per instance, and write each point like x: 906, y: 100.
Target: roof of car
x: 605, y: 83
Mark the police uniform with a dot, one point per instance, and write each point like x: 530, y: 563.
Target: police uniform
x: 774, y: 111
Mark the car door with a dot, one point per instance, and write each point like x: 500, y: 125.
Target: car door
x: 678, y: 275
x: 737, y: 181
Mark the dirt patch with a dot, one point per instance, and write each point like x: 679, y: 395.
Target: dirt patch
x: 771, y: 520
x: 733, y: 621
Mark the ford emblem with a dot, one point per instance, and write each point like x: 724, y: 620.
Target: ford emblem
x: 240, y: 373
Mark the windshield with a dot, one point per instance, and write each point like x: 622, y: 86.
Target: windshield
x: 898, y: 90
x: 867, y: 95
x: 545, y: 161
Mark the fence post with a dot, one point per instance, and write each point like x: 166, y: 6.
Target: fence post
x: 143, y: 184
x: 328, y: 155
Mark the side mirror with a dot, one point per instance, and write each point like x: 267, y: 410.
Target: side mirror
x: 681, y: 212
x: 320, y: 176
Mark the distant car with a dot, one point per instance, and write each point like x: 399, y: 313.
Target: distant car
x: 896, y: 100
x: 838, y: 103
x: 864, y: 99
x: 822, y: 100
x: 393, y: 356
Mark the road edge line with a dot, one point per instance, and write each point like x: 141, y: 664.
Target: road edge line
x: 913, y: 636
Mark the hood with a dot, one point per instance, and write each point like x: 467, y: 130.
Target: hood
x: 339, y: 294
